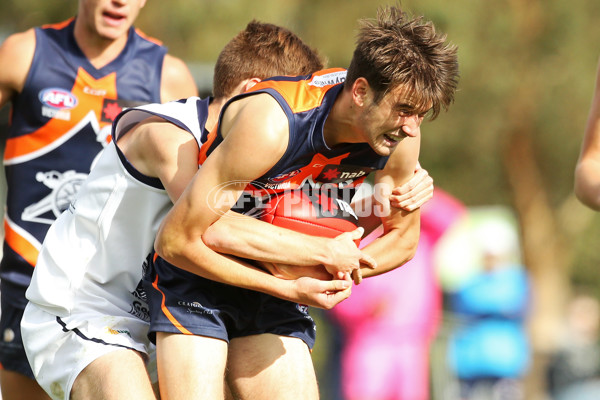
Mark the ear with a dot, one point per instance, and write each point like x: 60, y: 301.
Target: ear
x: 360, y: 91
x: 250, y: 82
x: 244, y: 85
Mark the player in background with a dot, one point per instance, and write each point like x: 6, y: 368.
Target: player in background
x: 66, y: 82
x: 365, y: 120
x: 587, y: 171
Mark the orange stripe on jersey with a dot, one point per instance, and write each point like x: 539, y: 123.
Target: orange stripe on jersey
x: 20, y: 245
x: 300, y: 95
x: 55, y: 128
x: 148, y: 38
x: 58, y: 25
x: 206, y: 145
x: 166, y: 311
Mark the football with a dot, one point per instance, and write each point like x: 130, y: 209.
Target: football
x: 311, y: 212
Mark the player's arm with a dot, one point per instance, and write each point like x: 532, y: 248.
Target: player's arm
x: 587, y: 171
x: 414, y: 193
x: 159, y: 149
x: 409, y: 196
x: 177, y: 81
x: 255, y: 137
x: 248, y: 237
x: 400, y: 237
x: 16, y: 55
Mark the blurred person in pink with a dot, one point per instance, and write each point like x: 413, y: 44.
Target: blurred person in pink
x: 390, y: 320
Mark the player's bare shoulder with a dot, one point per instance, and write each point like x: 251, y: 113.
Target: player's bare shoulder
x: 153, y: 142
x: 260, y: 110
x: 16, y: 55
x: 177, y: 81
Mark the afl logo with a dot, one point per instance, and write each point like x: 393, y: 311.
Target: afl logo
x: 58, y: 98
x: 284, y: 177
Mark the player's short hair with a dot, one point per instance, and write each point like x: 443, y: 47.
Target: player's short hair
x: 398, y: 50
x: 262, y: 51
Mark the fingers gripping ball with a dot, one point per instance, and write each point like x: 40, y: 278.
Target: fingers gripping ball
x: 313, y: 213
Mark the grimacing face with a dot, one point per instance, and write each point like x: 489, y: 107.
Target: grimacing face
x: 394, y: 118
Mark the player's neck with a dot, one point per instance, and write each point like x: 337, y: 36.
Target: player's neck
x: 98, y: 50
x: 339, y: 126
x: 214, y: 108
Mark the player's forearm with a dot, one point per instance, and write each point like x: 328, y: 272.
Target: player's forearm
x: 394, y: 248
x: 198, y: 259
x: 230, y: 270
x: 257, y: 240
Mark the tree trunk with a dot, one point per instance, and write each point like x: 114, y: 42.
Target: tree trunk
x: 544, y: 252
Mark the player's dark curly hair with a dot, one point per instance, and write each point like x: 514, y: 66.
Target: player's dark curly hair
x: 399, y: 50
x: 261, y: 51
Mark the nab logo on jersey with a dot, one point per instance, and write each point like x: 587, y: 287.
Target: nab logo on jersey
x: 58, y: 98
x: 342, y: 173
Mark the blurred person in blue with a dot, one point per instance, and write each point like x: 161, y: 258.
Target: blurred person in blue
x: 489, y: 351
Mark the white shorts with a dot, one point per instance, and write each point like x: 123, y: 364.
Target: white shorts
x: 58, y: 348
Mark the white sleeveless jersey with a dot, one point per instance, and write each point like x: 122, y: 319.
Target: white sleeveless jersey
x: 91, y: 259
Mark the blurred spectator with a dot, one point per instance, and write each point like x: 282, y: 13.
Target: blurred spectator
x: 390, y: 320
x: 488, y: 351
x: 574, y: 371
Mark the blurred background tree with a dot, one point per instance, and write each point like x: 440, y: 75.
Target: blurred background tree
x: 511, y: 138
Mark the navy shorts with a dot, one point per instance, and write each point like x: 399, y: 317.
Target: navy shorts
x: 12, y: 353
x: 182, y: 302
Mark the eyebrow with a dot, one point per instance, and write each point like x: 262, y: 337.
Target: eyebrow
x: 412, y: 108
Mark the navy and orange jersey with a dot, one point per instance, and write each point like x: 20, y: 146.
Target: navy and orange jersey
x: 59, y: 123
x: 308, y: 161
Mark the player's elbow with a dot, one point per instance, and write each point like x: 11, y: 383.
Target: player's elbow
x: 168, y: 246
x: 410, y: 247
x: 220, y: 238
x: 161, y: 247
x: 406, y: 248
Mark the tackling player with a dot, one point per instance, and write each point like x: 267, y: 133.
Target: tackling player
x: 364, y: 120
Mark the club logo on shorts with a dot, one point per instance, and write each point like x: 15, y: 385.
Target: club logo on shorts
x: 194, y: 307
